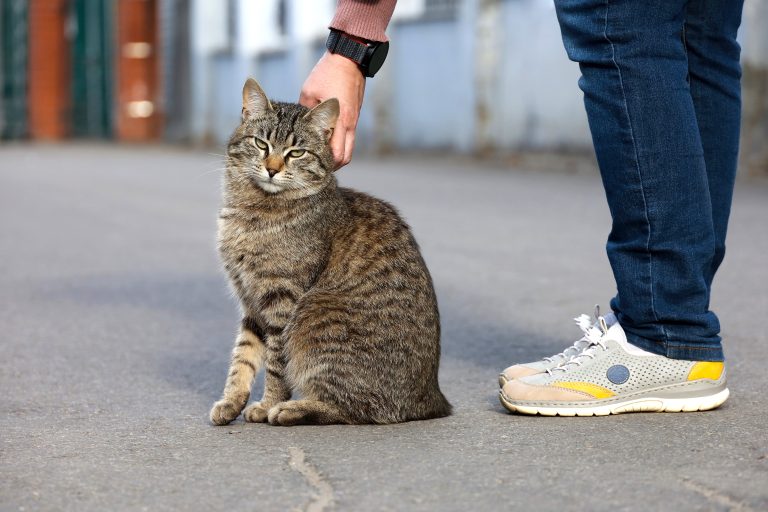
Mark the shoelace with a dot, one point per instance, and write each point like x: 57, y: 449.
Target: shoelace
x: 586, y: 324
x: 594, y: 338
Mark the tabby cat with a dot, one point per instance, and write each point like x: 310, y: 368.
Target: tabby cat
x: 337, y: 301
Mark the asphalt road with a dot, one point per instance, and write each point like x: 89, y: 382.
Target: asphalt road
x: 116, y: 326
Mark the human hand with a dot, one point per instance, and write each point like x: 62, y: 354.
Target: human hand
x: 337, y: 77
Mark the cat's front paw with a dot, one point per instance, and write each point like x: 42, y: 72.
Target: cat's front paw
x: 255, y: 413
x: 224, y: 411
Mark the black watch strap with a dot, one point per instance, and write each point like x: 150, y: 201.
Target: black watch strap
x: 368, y: 55
x: 340, y: 43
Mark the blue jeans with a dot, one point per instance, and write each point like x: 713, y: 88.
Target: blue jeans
x: 661, y: 83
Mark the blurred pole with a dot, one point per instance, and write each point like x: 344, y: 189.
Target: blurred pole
x: 175, y: 54
x: 487, y: 33
x: 754, y: 145
x: 138, y: 113
x: 210, y: 38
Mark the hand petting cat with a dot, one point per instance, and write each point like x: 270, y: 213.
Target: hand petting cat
x: 335, y: 76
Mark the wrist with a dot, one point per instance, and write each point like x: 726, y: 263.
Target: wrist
x: 367, y: 55
x: 342, y: 62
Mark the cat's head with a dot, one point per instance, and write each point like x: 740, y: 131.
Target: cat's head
x: 282, y: 147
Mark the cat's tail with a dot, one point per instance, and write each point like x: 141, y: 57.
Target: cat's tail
x: 432, y: 404
x: 442, y: 407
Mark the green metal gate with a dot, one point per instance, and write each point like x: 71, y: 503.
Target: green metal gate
x: 92, y: 65
x: 13, y: 68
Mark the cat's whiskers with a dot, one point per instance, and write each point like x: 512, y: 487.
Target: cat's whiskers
x: 211, y: 171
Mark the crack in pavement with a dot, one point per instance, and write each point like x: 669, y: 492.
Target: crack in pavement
x: 323, y: 498
x: 717, y: 497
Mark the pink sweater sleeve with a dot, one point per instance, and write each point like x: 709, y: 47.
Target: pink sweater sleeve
x: 367, y: 19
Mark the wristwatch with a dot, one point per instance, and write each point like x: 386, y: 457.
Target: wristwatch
x: 368, y: 55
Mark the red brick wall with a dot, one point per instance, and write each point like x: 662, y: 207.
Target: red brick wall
x: 49, y: 70
x: 138, y: 118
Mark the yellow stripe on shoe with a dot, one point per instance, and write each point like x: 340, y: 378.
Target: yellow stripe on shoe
x: 706, y: 370
x: 586, y: 387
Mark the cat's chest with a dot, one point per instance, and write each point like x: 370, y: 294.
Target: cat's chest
x: 256, y: 253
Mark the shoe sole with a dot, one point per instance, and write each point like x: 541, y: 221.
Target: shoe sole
x: 502, y: 380
x: 644, y: 404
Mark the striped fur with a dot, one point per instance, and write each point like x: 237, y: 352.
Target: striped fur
x: 337, y: 302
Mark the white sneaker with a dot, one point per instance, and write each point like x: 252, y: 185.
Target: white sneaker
x: 612, y: 376
x: 591, y: 329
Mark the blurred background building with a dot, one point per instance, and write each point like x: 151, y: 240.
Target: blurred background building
x: 479, y: 76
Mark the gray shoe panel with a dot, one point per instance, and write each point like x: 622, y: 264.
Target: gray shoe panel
x: 643, y: 372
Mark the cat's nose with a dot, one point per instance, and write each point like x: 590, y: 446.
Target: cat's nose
x: 273, y: 164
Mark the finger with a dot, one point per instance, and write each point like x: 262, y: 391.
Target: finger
x: 349, y: 146
x: 338, y: 145
x: 308, y: 100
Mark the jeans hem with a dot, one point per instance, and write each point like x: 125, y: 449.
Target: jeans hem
x: 679, y: 349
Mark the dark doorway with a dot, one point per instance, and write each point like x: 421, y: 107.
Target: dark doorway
x: 13, y: 68
x: 91, y: 30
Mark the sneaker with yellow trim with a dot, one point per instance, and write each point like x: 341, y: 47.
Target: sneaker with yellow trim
x: 612, y: 376
x: 590, y: 331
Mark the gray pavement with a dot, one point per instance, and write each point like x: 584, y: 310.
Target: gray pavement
x: 116, y: 325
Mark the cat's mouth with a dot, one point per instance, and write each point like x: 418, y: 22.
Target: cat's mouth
x: 269, y: 186
x: 268, y: 183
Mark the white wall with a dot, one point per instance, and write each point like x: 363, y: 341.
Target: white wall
x: 495, y: 76
x: 538, y: 102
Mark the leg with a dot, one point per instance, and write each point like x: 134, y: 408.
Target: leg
x: 715, y: 79
x: 246, y: 358
x: 276, y: 390
x: 643, y: 123
x: 305, y: 412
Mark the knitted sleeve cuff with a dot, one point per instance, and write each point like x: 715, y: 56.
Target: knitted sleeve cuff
x: 366, y: 19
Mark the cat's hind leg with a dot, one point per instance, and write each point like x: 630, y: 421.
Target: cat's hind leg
x: 247, y: 357
x: 305, y: 412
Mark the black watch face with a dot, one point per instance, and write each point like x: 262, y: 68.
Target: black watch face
x: 377, y: 58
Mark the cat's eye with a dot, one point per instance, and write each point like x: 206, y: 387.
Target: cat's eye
x: 296, y: 153
x: 260, y: 144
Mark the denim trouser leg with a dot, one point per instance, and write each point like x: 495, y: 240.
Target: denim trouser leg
x: 669, y: 209
x: 714, y: 75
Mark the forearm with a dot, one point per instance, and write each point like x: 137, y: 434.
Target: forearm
x: 336, y: 76
x: 366, y: 19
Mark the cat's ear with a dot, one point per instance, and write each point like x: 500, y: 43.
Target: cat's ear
x: 255, y: 102
x: 324, y: 116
